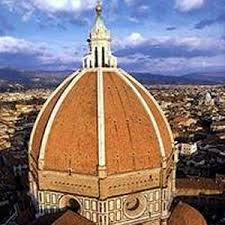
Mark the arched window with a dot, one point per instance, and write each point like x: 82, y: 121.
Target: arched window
x: 103, y: 57
x: 96, y: 57
x: 73, y: 205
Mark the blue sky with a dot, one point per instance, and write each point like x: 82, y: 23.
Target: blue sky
x: 158, y: 36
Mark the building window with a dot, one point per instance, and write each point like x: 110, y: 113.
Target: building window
x: 103, y: 57
x: 164, y: 194
x: 96, y: 57
x: 42, y: 209
x: 164, y: 206
x: 100, y: 207
x: 73, y: 205
x: 41, y: 197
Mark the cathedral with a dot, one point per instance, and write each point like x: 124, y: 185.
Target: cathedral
x: 101, y: 149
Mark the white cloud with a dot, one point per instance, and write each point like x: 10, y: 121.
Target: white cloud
x: 37, y: 54
x: 24, y: 54
x: 191, y: 43
x: 170, y: 55
x: 197, y: 43
x: 187, y: 5
x: 28, y: 7
x: 172, y: 65
x: 133, y: 39
x: 13, y: 45
x: 64, y: 5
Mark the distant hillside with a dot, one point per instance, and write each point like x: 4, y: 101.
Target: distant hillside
x: 194, y: 78
x: 207, y: 77
x: 41, y: 73
x: 11, y: 75
x: 10, y: 79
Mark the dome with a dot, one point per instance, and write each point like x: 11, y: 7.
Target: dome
x: 186, y: 215
x: 102, y: 143
x: 76, y: 131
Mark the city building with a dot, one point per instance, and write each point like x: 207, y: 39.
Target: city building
x: 102, y: 147
x: 218, y: 126
x: 187, y: 148
x: 208, y: 99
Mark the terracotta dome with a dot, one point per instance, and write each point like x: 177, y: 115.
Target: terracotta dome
x: 101, y: 134
x: 186, y: 215
x: 102, y: 147
x: 78, y: 123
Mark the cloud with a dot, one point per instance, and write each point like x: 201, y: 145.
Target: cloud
x: 208, y: 22
x: 169, y: 47
x: 51, y: 6
x: 173, y: 65
x: 55, y: 10
x: 188, y: 5
x: 25, y: 54
x: 12, y: 45
x: 170, y: 55
x: 139, y: 10
x: 134, y: 39
x: 135, y: 53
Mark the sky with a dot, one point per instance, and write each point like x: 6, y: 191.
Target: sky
x: 170, y: 37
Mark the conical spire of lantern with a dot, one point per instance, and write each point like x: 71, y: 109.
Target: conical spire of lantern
x: 99, y: 22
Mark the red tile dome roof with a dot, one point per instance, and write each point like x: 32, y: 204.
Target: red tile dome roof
x: 135, y: 133
x: 184, y: 214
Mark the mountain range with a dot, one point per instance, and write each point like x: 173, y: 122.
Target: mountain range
x: 48, y: 79
x: 192, y: 78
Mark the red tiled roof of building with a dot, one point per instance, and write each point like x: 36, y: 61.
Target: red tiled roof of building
x: 71, y: 218
x: 184, y: 214
x: 63, y: 218
x: 198, y: 183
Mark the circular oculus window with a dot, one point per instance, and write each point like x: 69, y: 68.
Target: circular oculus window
x: 134, y: 206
